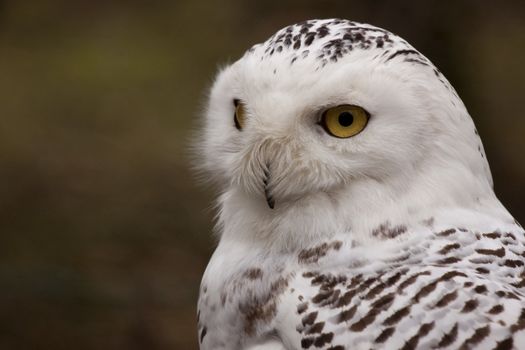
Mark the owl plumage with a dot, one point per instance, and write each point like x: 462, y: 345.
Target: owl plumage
x: 356, y: 207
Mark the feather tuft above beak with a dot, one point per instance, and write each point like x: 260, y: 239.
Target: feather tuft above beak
x: 269, y: 199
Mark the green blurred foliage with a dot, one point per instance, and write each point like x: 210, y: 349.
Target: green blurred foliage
x: 104, y: 230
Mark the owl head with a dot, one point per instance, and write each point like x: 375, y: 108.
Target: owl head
x: 331, y: 126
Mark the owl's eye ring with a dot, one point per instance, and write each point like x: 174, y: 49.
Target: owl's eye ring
x: 239, y: 116
x: 344, y: 121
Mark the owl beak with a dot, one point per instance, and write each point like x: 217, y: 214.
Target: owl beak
x: 267, y: 195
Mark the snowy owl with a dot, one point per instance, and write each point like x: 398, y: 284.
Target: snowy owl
x: 357, y: 208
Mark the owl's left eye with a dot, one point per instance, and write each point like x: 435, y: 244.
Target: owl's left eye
x: 239, y: 116
x: 344, y: 121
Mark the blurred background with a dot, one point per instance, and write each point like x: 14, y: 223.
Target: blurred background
x: 104, y: 233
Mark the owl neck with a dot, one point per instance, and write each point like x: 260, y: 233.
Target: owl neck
x: 428, y: 196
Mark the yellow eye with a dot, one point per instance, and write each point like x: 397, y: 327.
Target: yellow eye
x: 240, y: 114
x: 344, y: 121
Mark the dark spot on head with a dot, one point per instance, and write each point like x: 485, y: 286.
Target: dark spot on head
x: 397, y: 316
x: 312, y: 255
x: 415, y: 60
x: 365, y: 284
x: 309, y: 319
x: 492, y: 235
x: 336, y: 347
x: 446, y: 232
x: 365, y: 321
x: 346, y: 298
x: 449, y: 260
x: 386, y: 231
x: 302, y: 307
x: 510, y: 235
x: 323, y: 339
x: 410, y: 280
x: 322, y: 31
x: 385, y: 334
x: 426, y: 290
x: 451, y: 274
x: 496, y: 252
x: 393, y: 279
x: 307, y: 342
x: 375, y: 291
x: 310, y: 274
x: 446, y: 249
x: 513, y: 263
x: 309, y: 38
x: 470, y: 305
x: 376, y: 308
x: 384, y: 302
x: 403, y: 52
x: 496, y: 309
x: 447, y: 298
x: 481, y: 289
x: 520, y: 324
x: 506, y: 344
x: 423, y: 331
x: 346, y: 315
x: 478, y: 336
x: 449, y: 338
x: 316, y: 328
x: 326, y: 296
x: 253, y: 273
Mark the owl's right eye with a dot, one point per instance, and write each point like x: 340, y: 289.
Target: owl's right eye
x: 239, y: 116
x: 344, y: 121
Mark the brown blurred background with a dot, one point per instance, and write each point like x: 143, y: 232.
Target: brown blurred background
x: 103, y: 232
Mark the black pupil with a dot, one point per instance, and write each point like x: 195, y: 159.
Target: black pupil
x: 346, y: 119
